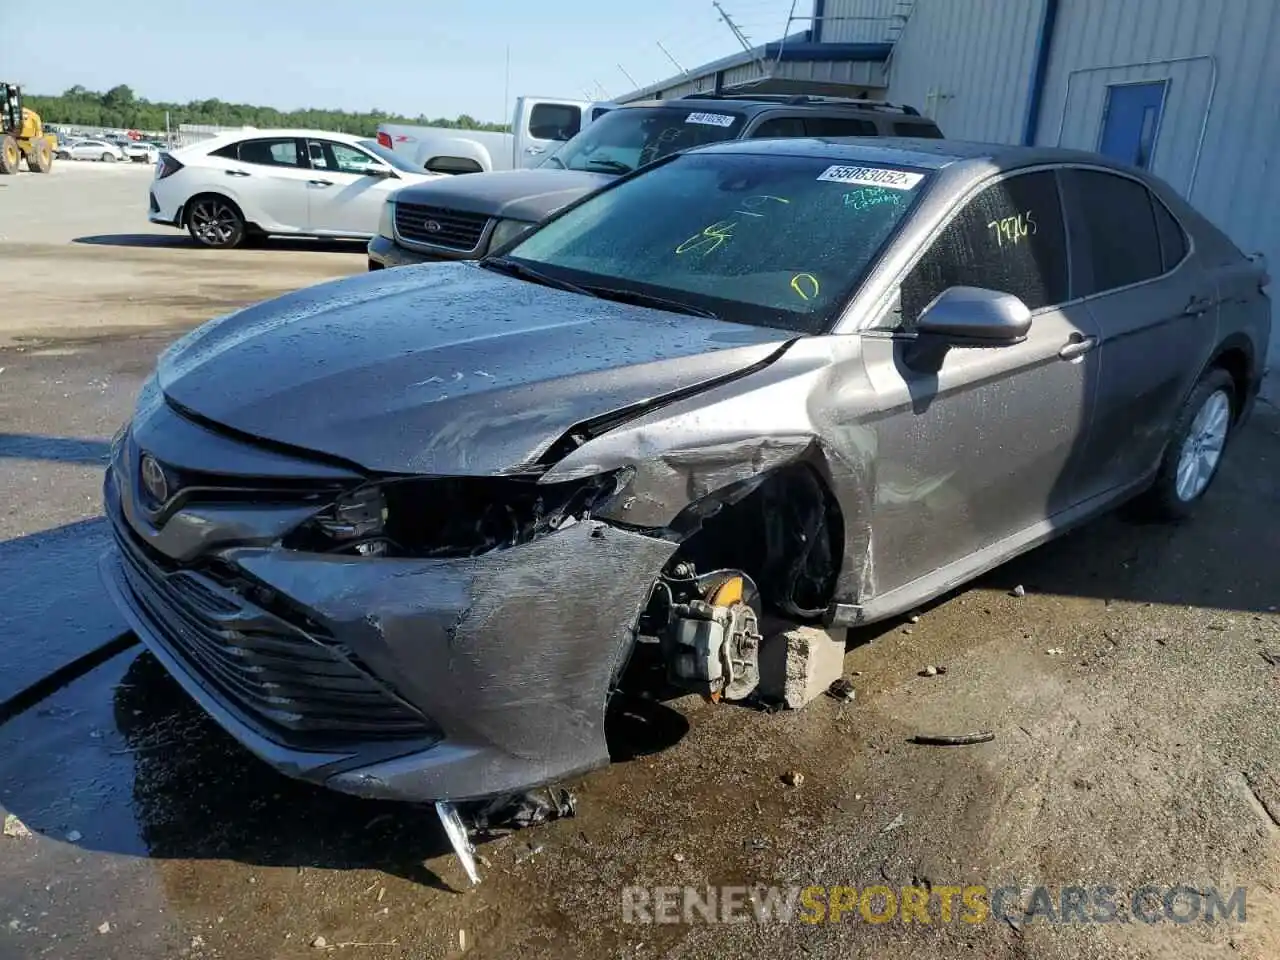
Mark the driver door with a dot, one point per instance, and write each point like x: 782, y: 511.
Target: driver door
x: 346, y: 189
x: 976, y: 445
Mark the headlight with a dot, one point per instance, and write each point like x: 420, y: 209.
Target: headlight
x: 507, y: 230
x: 452, y: 516
x: 387, y: 224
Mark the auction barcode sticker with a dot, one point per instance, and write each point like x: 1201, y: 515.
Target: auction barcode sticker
x: 711, y: 119
x: 872, y: 177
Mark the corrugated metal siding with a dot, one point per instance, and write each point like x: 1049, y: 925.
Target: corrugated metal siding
x: 1224, y: 69
x: 854, y: 72
x: 860, y: 21
x: 745, y: 74
x: 967, y: 64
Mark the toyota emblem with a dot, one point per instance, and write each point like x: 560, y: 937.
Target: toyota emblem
x: 153, y: 479
x: 432, y: 226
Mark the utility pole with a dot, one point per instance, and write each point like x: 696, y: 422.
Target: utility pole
x: 671, y: 58
x: 506, y: 88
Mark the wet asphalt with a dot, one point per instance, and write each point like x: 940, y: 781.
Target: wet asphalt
x: 1133, y: 690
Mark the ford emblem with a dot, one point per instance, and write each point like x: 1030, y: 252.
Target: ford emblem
x: 153, y: 479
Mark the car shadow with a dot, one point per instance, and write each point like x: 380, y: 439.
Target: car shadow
x: 24, y: 446
x: 197, y: 794
x: 182, y: 240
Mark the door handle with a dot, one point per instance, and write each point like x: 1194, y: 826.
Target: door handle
x: 535, y: 149
x: 320, y: 183
x: 1197, y: 307
x: 1077, y: 347
x: 237, y: 173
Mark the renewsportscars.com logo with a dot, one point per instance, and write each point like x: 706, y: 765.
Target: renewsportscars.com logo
x: 971, y: 904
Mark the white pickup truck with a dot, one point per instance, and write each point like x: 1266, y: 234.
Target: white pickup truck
x: 538, y: 126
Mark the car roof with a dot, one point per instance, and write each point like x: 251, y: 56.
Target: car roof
x: 713, y: 103
x: 929, y: 154
x: 235, y: 136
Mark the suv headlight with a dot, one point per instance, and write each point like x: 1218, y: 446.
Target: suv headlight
x: 387, y: 223
x: 452, y: 516
x: 505, y: 231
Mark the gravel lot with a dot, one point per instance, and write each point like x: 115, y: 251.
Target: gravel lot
x: 1133, y: 693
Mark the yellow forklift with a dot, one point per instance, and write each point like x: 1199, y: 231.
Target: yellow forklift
x: 22, y: 134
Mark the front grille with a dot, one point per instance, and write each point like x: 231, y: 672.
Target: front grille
x: 439, y: 227
x: 297, y: 689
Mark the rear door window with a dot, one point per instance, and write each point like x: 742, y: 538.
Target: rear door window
x: 554, y: 121
x: 1173, y: 241
x: 780, y: 127
x: 840, y: 127
x: 1010, y: 237
x: 271, y: 153
x: 1113, y: 229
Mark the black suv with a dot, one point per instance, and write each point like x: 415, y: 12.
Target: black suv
x: 463, y: 217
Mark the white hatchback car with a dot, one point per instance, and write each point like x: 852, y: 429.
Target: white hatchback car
x: 289, y: 182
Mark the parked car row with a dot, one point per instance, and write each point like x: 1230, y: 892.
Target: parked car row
x: 402, y: 533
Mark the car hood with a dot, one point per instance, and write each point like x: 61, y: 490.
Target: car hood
x: 511, y: 194
x: 443, y: 368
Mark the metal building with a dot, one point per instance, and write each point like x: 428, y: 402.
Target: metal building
x: 1186, y: 88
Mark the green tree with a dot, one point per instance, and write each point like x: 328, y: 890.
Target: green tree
x: 120, y: 107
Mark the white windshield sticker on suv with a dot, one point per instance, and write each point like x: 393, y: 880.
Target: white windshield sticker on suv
x: 872, y: 177
x: 711, y: 119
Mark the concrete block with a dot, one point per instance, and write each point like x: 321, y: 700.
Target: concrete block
x: 798, y: 664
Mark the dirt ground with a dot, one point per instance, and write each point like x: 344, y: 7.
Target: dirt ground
x: 1133, y: 690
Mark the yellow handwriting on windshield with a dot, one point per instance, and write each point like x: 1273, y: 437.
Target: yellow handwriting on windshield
x: 805, y: 285
x: 752, y: 206
x: 709, y: 238
x: 713, y: 237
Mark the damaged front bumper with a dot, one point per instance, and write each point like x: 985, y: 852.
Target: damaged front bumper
x: 396, y: 678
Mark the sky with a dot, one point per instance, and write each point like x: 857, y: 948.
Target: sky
x: 424, y: 57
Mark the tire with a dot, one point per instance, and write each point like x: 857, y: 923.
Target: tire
x: 40, y: 159
x: 63, y: 155
x: 108, y: 158
x: 10, y: 155
x: 1201, y: 433
x: 214, y: 221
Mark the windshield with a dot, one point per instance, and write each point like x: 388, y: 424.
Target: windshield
x: 779, y: 241
x: 392, y: 158
x: 630, y: 137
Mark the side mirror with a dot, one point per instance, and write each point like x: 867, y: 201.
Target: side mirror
x: 973, y: 315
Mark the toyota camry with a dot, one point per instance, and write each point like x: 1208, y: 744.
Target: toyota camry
x: 401, y: 533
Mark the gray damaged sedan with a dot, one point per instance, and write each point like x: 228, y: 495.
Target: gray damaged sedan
x: 401, y: 533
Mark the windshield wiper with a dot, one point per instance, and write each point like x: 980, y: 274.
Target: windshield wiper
x: 513, y: 269
x: 613, y: 166
x: 650, y: 300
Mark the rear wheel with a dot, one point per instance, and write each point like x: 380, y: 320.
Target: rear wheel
x: 108, y: 157
x: 10, y: 155
x: 1196, y: 445
x: 215, y: 221
x: 40, y: 159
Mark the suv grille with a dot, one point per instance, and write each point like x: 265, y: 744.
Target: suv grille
x: 439, y: 227
x: 299, y: 691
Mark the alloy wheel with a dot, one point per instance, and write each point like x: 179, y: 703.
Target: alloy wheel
x: 214, y: 222
x: 1202, y: 448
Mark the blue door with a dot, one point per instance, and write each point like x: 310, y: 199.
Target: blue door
x: 1131, y: 122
